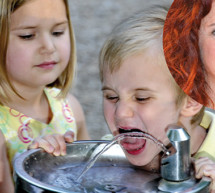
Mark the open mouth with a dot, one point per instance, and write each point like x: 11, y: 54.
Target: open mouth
x: 133, y: 145
x: 129, y: 130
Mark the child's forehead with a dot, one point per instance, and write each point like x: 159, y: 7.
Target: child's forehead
x: 149, y: 56
x: 144, y: 58
x: 36, y: 12
x: 147, y: 68
x: 46, y: 7
x: 145, y: 63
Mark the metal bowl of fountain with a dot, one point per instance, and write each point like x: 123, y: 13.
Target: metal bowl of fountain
x: 39, y: 172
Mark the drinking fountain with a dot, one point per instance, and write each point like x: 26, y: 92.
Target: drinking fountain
x: 39, y: 172
x: 176, y: 169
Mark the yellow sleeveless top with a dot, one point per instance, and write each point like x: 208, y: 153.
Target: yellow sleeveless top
x: 207, y: 148
x: 20, y: 130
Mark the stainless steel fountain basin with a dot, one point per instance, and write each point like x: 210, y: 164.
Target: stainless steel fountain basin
x: 40, y: 172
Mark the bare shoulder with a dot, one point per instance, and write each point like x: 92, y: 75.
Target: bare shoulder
x: 79, y: 116
x: 74, y: 103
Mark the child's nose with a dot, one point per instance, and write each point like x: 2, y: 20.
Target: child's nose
x: 124, y: 110
x: 47, y: 45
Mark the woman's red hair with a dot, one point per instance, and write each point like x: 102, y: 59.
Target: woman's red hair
x: 181, y: 46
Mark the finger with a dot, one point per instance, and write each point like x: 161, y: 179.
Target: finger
x: 211, y: 173
x: 42, y: 143
x: 53, y: 141
x: 62, y: 144
x: 69, y: 136
x: 202, y: 160
x: 200, y: 165
x: 200, y: 171
x: 206, y: 170
x: 34, y: 145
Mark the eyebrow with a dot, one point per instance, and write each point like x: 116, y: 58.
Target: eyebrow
x: 144, y: 89
x: 137, y: 89
x: 211, y: 25
x: 106, y: 88
x: 23, y: 27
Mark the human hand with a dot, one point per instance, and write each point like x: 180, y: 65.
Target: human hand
x: 205, y: 167
x: 54, y: 144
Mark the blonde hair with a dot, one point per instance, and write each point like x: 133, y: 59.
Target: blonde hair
x: 64, y: 81
x: 135, y: 35
x: 131, y: 36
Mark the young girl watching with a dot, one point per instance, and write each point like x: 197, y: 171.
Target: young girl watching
x: 37, y: 55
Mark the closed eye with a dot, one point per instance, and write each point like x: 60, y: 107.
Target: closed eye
x: 27, y: 37
x: 143, y: 99
x: 58, y: 33
x: 113, y: 99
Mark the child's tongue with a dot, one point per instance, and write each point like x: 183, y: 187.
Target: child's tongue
x: 132, y: 143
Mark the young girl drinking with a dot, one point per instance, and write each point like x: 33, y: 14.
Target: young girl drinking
x: 37, y: 53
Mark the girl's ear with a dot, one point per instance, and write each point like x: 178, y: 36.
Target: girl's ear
x: 190, y: 107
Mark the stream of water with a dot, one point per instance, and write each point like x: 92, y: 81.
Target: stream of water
x: 116, y: 139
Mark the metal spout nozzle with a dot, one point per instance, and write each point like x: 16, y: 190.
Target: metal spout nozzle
x: 177, y: 167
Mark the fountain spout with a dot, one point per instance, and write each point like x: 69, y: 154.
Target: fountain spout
x: 177, y: 167
x: 176, y: 171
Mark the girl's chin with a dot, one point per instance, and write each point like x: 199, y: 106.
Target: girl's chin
x: 149, y: 161
x: 140, y: 152
x: 147, y: 165
x: 137, y: 161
